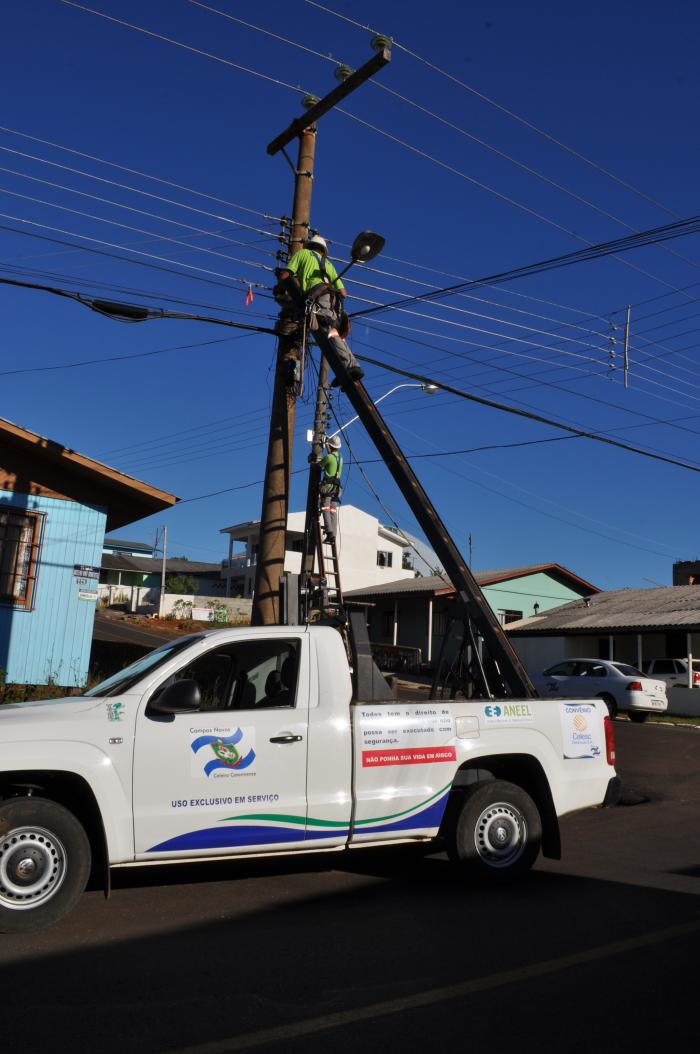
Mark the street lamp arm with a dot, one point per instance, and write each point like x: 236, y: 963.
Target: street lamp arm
x: 429, y: 389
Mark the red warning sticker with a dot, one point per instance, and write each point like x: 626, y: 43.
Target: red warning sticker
x: 407, y: 756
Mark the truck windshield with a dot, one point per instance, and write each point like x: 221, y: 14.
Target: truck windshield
x: 122, y: 681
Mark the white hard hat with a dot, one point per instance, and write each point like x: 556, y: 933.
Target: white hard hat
x: 318, y: 241
x: 333, y: 442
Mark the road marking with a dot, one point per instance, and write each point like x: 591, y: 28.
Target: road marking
x: 311, y: 1025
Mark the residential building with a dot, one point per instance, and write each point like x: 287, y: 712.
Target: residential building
x: 369, y: 553
x: 416, y: 613
x: 54, y: 507
x: 145, y: 571
x: 629, y: 625
x: 125, y: 547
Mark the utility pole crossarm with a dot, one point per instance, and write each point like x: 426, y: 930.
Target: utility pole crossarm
x: 299, y: 124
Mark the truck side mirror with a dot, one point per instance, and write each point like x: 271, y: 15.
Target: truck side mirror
x: 180, y: 697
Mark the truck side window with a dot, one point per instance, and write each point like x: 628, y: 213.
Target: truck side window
x: 247, y: 675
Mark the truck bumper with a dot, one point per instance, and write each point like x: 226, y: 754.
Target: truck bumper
x: 613, y: 793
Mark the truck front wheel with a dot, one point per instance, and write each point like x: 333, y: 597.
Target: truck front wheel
x: 497, y: 833
x: 44, y: 863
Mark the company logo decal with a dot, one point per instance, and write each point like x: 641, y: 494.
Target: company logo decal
x: 225, y: 751
x: 581, y: 732
x: 114, y: 711
x: 495, y: 713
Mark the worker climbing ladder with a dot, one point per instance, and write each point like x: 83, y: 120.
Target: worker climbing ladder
x: 329, y: 570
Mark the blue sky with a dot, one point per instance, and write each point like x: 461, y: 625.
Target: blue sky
x: 616, y: 83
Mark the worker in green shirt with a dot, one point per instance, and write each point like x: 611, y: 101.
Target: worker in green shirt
x: 329, y: 490
x: 312, y: 282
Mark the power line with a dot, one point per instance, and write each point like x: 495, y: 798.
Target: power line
x: 509, y: 113
x: 521, y: 376
x: 120, y: 358
x: 140, y: 230
x: 529, y: 415
x: 142, y: 175
x: 186, y: 47
x: 126, y: 248
x: 653, y: 236
x: 131, y: 190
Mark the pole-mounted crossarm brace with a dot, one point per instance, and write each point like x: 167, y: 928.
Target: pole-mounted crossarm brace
x: 329, y: 101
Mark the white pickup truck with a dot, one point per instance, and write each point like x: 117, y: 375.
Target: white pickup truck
x: 248, y: 741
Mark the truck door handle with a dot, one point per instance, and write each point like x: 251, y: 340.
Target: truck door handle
x: 286, y: 737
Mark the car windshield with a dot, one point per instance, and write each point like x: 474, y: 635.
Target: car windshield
x: 122, y: 681
x: 627, y: 671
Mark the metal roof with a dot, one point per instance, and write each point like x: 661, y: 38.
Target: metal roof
x: 27, y: 458
x: 125, y: 543
x: 147, y: 565
x: 433, y: 585
x: 632, y: 610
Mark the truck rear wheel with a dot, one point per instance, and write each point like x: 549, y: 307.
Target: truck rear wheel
x: 497, y: 834
x: 44, y: 863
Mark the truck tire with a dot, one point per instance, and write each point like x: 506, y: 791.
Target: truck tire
x: 638, y: 717
x: 497, y: 834
x: 44, y: 863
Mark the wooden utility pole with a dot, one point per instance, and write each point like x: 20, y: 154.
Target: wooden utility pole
x: 275, y: 504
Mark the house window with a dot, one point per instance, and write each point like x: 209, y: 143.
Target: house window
x: 384, y: 559
x: 19, y: 556
x: 504, y: 617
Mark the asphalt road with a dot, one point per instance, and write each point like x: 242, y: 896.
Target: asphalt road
x: 113, y: 628
x: 386, y: 950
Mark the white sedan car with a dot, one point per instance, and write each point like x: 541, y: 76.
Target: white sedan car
x: 621, y: 687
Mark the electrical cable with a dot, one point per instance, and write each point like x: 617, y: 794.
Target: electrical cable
x: 186, y: 47
x: 140, y: 230
x: 121, y: 358
x: 649, y: 419
x: 143, y: 175
x: 653, y: 236
x: 509, y: 113
x: 126, y: 248
x: 132, y: 190
x: 529, y: 415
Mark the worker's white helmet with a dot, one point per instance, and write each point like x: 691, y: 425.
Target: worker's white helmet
x: 333, y: 442
x: 317, y: 242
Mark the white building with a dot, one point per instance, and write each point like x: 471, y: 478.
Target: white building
x: 369, y: 553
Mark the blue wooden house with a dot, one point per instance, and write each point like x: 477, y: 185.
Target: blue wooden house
x: 55, y: 506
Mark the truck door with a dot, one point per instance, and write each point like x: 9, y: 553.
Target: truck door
x: 230, y: 778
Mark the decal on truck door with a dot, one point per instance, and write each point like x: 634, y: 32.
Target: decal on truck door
x: 266, y: 828
x: 218, y: 754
